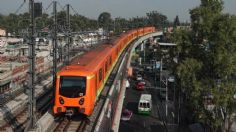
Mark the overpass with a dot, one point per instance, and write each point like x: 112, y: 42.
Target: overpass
x: 105, y: 116
x: 115, y: 126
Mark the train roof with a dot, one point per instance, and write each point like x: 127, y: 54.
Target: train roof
x: 89, y: 61
x: 91, y: 58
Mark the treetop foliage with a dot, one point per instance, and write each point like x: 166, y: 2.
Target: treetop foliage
x: 15, y: 24
x: 207, y: 63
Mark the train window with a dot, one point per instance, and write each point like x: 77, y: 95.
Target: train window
x: 117, y: 51
x: 106, y: 66
x: 96, y: 82
x: 148, y: 105
x: 100, y: 75
x: 110, y: 61
x: 72, y: 86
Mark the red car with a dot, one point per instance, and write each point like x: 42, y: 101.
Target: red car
x: 126, y: 115
x: 140, y: 86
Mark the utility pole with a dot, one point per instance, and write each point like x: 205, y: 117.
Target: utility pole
x: 166, y: 87
x: 68, y: 33
x: 144, y: 58
x: 179, y: 105
x: 54, y: 42
x: 31, y: 59
x: 166, y: 97
x: 114, y: 26
x: 160, y: 72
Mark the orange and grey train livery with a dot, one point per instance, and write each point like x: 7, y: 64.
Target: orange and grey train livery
x: 79, y: 84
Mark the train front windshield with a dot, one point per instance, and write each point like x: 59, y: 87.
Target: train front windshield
x: 72, y: 86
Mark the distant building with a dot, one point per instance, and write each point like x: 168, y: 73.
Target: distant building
x: 184, y: 27
x: 170, y: 29
x: 2, y: 32
x: 100, y: 31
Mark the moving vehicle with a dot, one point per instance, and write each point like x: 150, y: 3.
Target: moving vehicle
x: 143, y: 81
x: 139, y: 77
x: 79, y: 84
x: 140, y: 86
x: 145, y: 104
x: 127, y: 84
x: 126, y: 115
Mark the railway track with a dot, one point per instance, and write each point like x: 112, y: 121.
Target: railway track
x: 79, y: 123
x: 7, y: 98
x: 44, y: 103
x: 74, y: 124
x: 17, y: 123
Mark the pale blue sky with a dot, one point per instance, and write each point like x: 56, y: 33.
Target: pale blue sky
x: 121, y: 8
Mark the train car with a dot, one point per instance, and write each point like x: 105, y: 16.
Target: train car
x: 79, y: 84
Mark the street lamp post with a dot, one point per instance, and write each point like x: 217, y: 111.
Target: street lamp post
x: 179, y: 104
x: 171, y: 79
x: 166, y: 97
x: 31, y: 93
x: 166, y: 84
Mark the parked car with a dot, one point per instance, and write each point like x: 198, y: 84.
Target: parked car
x: 126, y: 115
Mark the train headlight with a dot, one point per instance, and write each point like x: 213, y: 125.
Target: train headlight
x: 61, y: 100
x: 81, y: 101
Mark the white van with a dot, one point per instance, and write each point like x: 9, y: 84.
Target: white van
x: 145, y: 104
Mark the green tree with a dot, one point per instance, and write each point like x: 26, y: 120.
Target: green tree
x: 157, y: 19
x: 104, y: 20
x: 11, y: 23
x: 207, y: 61
x: 176, y: 21
x: 61, y: 18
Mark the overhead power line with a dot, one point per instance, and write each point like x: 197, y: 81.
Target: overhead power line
x: 61, y: 6
x: 20, y: 7
x: 76, y: 13
x: 48, y: 6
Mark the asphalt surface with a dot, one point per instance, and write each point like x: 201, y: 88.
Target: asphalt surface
x: 141, y: 123
x: 157, y: 121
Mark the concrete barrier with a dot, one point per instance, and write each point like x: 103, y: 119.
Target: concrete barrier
x: 45, y: 123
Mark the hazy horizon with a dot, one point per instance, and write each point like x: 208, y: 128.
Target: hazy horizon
x: 119, y: 8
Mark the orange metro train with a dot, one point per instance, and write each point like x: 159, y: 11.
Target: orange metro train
x: 79, y: 84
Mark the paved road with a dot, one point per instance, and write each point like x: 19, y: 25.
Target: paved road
x: 142, y: 123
